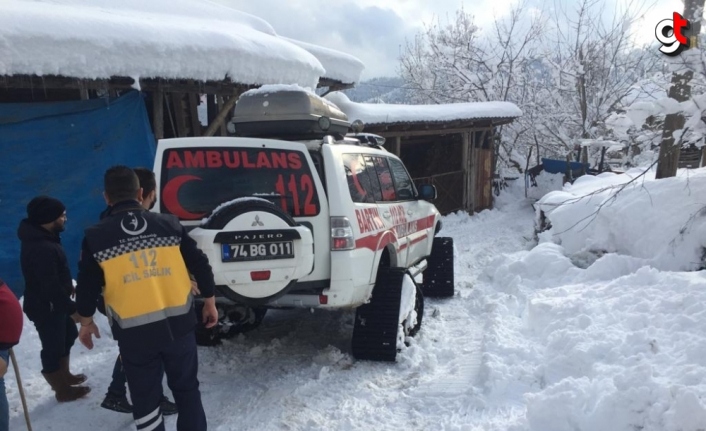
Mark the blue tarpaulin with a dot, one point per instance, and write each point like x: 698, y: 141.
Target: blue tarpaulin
x: 557, y: 166
x: 62, y: 149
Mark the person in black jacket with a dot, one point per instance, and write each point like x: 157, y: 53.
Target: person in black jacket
x: 141, y: 262
x: 48, y: 291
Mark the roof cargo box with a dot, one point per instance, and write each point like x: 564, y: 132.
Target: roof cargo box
x: 287, y: 114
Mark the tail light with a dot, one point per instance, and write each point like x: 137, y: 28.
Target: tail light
x: 259, y: 275
x: 341, y: 234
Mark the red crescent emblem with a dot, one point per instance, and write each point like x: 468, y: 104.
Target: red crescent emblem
x: 171, y: 201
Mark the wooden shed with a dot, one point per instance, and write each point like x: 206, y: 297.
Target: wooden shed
x: 450, y: 146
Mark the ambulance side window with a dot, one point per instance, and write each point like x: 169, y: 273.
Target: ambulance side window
x: 385, y: 177
x: 357, y: 178
x: 374, y: 182
x: 403, y: 183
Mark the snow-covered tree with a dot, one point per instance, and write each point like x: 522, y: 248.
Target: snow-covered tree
x: 568, y: 72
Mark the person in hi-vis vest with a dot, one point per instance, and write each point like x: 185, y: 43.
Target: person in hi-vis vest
x: 141, y: 262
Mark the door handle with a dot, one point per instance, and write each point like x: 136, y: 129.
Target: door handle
x: 386, y: 214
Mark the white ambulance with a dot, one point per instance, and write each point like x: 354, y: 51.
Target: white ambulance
x: 297, y: 214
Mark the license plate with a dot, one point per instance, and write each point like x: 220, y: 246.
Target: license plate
x: 259, y: 251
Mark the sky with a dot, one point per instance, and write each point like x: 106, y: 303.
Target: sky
x: 375, y: 31
x: 548, y: 336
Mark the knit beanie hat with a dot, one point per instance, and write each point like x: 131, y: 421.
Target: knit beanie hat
x: 44, y: 209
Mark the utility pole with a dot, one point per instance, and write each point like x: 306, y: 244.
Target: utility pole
x: 680, y: 90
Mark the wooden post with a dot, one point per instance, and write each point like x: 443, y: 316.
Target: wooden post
x: 219, y: 103
x: 211, y: 108
x: 466, y: 167
x: 194, y: 114
x: 158, y: 112
x: 397, y: 149
x: 178, y: 109
x: 473, y: 159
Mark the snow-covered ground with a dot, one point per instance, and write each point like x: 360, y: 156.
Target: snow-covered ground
x: 534, y: 339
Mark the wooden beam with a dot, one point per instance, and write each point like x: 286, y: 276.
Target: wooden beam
x: 432, y: 128
x: 221, y: 115
x: 225, y: 86
x: 390, y: 133
x: 333, y: 85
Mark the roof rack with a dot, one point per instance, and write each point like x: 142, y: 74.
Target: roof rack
x: 368, y: 139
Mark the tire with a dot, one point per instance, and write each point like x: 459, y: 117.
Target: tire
x: 233, y: 319
x: 377, y: 323
x: 223, y: 215
x: 239, y: 319
x: 439, y: 275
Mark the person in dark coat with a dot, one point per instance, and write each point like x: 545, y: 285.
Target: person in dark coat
x: 10, y: 331
x: 140, y: 261
x: 48, y: 291
x: 116, y: 397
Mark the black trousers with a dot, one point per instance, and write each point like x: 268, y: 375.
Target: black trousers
x: 143, y: 370
x: 118, y: 383
x: 57, y: 333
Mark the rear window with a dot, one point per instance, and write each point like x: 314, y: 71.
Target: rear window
x: 194, y: 181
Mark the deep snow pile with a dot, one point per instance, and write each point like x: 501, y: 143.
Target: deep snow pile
x: 662, y: 222
x: 535, y: 339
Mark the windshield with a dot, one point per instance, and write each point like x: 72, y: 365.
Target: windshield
x: 194, y: 181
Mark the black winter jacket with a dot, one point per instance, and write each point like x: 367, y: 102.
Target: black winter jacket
x: 139, y: 260
x: 48, y: 284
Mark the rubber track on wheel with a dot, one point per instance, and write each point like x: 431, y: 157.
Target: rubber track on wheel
x: 439, y: 275
x: 376, y: 323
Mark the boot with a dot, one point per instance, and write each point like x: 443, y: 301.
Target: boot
x: 63, y: 391
x: 168, y: 407
x: 116, y: 403
x: 72, y: 379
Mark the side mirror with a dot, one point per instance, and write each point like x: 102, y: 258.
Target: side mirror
x: 427, y: 192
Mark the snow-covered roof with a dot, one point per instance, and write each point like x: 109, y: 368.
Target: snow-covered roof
x: 370, y: 113
x: 181, y: 39
x: 339, y: 65
x: 275, y: 88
